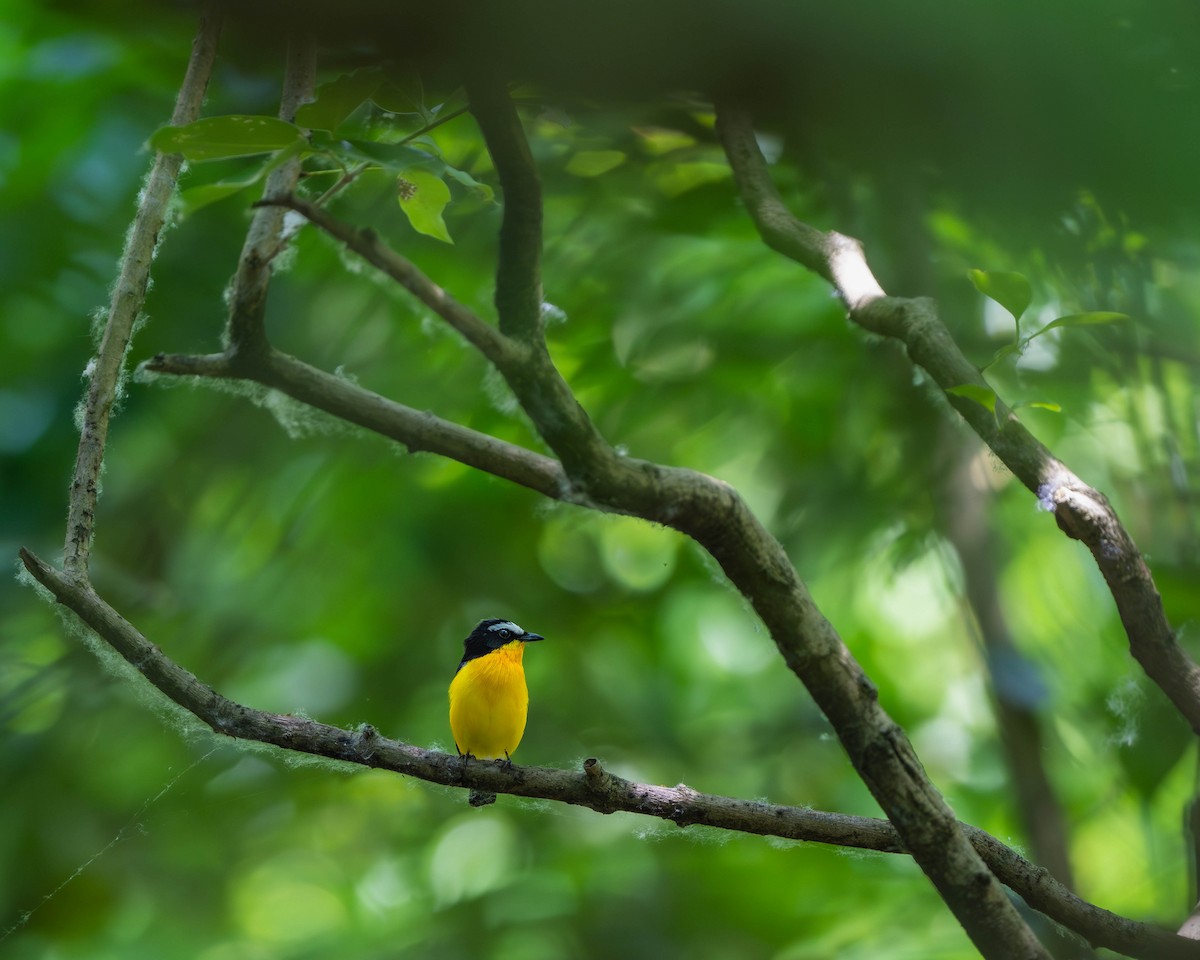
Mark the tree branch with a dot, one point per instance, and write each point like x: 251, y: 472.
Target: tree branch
x: 1082, y: 513
x: 594, y: 788
x: 128, y: 296
x: 417, y: 430
x: 265, y: 239
x: 713, y: 514
x: 530, y: 372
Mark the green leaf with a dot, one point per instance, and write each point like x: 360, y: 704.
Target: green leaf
x: 592, y: 163
x: 1010, y: 290
x: 659, y: 140
x: 1095, y: 318
x: 195, y: 198
x: 1040, y: 405
x: 469, y: 181
x: 394, y: 156
x: 403, y: 95
x: 218, y: 138
x: 985, y: 396
x: 1004, y: 351
x: 339, y: 98
x: 423, y: 197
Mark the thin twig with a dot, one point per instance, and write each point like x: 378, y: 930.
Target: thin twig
x: 594, y: 788
x: 342, y: 182
x: 128, y: 295
x: 349, y: 176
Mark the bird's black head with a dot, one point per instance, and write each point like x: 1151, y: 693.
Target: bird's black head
x: 491, y: 635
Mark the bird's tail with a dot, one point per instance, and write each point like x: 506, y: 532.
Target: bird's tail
x: 481, y: 798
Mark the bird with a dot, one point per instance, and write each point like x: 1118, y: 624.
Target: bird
x: 489, y: 701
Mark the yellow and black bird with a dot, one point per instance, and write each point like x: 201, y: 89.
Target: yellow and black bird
x: 489, y: 700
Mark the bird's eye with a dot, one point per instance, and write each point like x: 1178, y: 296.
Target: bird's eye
x: 505, y: 634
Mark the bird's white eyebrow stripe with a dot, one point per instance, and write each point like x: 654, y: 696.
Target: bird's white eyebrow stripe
x: 505, y: 625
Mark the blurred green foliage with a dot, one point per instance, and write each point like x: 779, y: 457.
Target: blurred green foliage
x: 297, y: 565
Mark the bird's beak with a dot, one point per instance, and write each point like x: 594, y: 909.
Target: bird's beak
x: 531, y: 636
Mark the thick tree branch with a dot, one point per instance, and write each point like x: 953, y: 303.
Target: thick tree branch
x: 266, y: 239
x: 594, y: 788
x: 417, y: 430
x: 1081, y: 512
x: 128, y: 296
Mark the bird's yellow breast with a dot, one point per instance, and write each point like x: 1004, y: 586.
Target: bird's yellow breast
x: 489, y: 703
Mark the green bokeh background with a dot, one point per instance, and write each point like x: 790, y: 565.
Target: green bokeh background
x: 298, y: 565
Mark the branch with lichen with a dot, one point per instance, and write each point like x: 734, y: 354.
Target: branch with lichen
x: 128, y: 296
x: 417, y: 430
